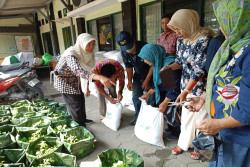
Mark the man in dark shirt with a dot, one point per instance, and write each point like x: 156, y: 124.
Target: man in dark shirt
x: 139, y: 73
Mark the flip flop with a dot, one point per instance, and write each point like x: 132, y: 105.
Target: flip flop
x: 177, y: 151
x: 194, y: 153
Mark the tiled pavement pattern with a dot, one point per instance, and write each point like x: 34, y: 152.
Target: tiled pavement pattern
x: 124, y: 138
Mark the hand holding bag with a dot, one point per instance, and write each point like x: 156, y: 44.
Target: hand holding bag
x: 206, y: 146
x: 173, y: 115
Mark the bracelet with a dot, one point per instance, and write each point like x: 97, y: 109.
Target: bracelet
x: 188, y: 91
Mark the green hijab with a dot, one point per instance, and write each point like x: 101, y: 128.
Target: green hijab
x: 157, y: 55
x: 233, y: 17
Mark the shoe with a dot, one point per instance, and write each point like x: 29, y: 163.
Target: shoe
x: 195, y: 156
x: 172, y: 137
x: 132, y: 123
x: 177, y: 152
x: 88, y: 121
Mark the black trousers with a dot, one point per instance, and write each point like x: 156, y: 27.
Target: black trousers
x: 76, y: 107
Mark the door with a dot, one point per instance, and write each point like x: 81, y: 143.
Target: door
x: 67, y: 36
x: 47, y: 43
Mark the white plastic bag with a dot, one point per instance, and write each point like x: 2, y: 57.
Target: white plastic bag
x: 149, y: 125
x: 113, y: 116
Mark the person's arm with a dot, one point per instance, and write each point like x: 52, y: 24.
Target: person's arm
x: 146, y: 83
x: 148, y: 94
x: 213, y: 126
x: 104, y: 93
x: 120, y: 91
x: 130, y: 77
x: 164, y: 104
x: 174, y: 66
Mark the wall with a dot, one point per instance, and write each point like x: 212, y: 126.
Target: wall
x: 15, y: 23
x: 60, y: 23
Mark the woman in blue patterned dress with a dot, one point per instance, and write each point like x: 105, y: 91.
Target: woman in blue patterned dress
x: 227, y: 96
x: 191, y: 56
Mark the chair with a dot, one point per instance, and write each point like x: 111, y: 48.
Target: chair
x: 51, y: 69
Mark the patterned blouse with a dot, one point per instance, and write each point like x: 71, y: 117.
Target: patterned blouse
x: 192, y: 58
x: 67, y: 75
x: 119, y: 74
x: 168, y: 41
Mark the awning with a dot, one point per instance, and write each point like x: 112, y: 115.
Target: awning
x: 91, y: 7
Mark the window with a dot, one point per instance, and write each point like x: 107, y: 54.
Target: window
x: 65, y: 12
x: 117, y: 27
x: 151, y: 22
x: 67, y: 36
x: 210, y: 20
x: 105, y: 30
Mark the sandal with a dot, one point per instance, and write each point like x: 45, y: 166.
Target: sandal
x: 177, y: 151
x: 193, y: 154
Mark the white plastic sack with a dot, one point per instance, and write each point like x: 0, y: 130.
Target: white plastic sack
x: 37, y: 62
x: 26, y: 57
x: 113, y: 116
x: 115, y: 55
x: 149, y: 125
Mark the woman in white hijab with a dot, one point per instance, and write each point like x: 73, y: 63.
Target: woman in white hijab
x: 75, y: 63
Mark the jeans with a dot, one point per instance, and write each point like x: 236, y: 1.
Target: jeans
x: 138, y: 92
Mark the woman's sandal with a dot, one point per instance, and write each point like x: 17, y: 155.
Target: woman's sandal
x: 177, y: 151
x: 194, y: 154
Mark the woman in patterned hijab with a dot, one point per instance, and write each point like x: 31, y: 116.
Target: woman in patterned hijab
x: 228, y: 86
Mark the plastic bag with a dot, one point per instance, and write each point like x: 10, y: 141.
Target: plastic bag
x: 173, y: 115
x: 149, y: 125
x: 113, y: 116
x: 60, y: 126
x: 46, y: 57
x: 206, y: 146
x: 130, y: 158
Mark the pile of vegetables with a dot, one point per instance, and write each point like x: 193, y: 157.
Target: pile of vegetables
x: 28, y: 127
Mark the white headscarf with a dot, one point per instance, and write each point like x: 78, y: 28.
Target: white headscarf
x: 188, y: 21
x: 86, y: 60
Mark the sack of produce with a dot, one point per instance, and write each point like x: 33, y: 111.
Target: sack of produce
x: 39, y: 122
x: 43, y: 147
x: 27, y: 135
x: 78, y: 141
x: 7, y: 129
x: 60, y: 126
x: 120, y: 158
x: 37, y: 62
x: 5, y: 113
x: 55, y: 159
x: 12, y: 157
x: 7, y: 141
x: 58, y: 115
x: 4, y: 120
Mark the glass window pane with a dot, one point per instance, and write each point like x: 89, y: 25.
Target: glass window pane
x: 118, y: 26
x: 153, y: 22
x: 93, y: 31
x: 210, y: 20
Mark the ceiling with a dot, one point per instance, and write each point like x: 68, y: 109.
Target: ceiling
x: 20, y: 8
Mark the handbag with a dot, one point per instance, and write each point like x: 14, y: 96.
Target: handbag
x: 173, y: 115
x: 206, y: 146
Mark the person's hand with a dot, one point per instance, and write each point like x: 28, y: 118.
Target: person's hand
x: 163, y: 68
x: 112, y: 100
x: 209, y: 126
x: 87, y: 93
x: 145, y: 96
x: 130, y: 86
x: 195, y: 104
x: 162, y: 107
x: 181, y: 96
x: 145, y: 85
x: 119, y: 97
x: 107, y: 82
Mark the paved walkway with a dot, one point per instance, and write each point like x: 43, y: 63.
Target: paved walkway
x: 153, y: 156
